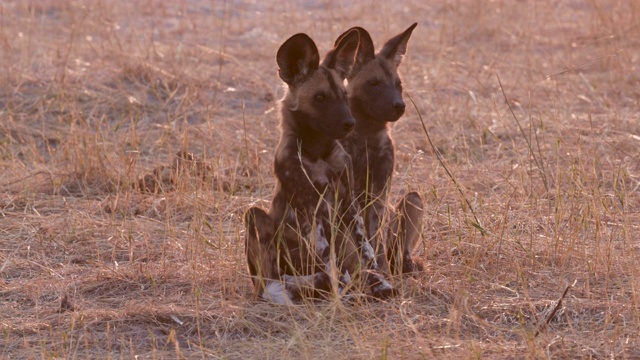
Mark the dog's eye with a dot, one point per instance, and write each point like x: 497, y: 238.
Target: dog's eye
x: 319, y: 97
x: 374, y: 82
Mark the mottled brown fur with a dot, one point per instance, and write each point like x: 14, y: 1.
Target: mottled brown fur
x: 313, y: 207
x: 375, y: 100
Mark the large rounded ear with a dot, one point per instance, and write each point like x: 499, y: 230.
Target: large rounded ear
x: 342, y: 57
x: 296, y: 58
x: 365, y: 49
x: 396, y: 47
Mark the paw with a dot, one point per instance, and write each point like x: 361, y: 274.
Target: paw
x: 277, y: 292
x: 378, y: 286
x: 384, y: 291
x: 410, y: 266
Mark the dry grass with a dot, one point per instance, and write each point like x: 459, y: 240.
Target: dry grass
x: 96, y: 95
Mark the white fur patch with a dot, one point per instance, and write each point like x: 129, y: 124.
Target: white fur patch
x: 367, y: 251
x: 347, y: 277
x: 384, y: 285
x: 359, y: 228
x: 328, y: 267
x: 368, y: 255
x: 321, y: 241
x: 297, y: 282
x: 302, y: 68
x: 397, y: 58
x: 276, y: 292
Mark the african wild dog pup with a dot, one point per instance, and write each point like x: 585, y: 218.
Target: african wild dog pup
x: 313, y: 217
x: 375, y: 99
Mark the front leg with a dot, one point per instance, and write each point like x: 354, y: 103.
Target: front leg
x: 352, y: 218
x: 324, y: 278
x: 367, y: 255
x: 404, y: 235
x: 377, y: 285
x: 341, y: 165
x: 376, y: 214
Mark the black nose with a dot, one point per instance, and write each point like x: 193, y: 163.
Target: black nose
x: 347, y: 127
x: 399, y: 106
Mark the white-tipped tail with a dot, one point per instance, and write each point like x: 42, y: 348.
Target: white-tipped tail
x: 276, y: 292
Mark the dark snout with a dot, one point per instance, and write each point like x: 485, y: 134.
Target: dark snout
x: 399, y: 107
x: 348, y: 125
x: 345, y: 123
x: 395, y: 106
x: 340, y: 121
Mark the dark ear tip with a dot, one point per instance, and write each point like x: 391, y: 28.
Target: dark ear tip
x: 348, y: 33
x: 413, y: 26
x: 299, y: 36
x: 352, y: 32
x: 349, y: 40
x: 298, y: 48
x: 362, y: 32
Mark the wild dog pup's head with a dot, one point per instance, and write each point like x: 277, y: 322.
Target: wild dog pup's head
x: 317, y: 98
x: 375, y: 89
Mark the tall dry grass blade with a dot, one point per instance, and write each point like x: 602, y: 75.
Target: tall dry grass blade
x: 531, y: 152
x: 544, y: 325
x: 579, y: 66
x: 476, y: 223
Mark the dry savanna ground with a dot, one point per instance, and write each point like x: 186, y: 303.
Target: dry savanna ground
x: 111, y: 245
